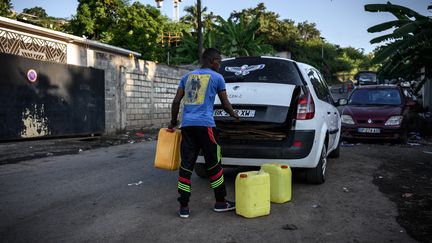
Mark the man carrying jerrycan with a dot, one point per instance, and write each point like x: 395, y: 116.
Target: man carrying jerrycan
x: 198, y: 89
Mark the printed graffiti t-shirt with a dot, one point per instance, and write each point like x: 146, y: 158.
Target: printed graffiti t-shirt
x: 200, y: 89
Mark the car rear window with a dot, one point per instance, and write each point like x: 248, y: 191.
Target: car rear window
x: 375, y: 97
x: 264, y: 70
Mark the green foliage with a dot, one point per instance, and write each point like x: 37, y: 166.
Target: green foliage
x: 139, y: 27
x: 408, y: 47
x: 281, y: 34
x: 308, y: 31
x: 6, y: 8
x: 95, y: 18
x: 239, y: 39
x: 191, y: 19
x: 36, y: 11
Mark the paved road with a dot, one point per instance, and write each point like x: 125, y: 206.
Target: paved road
x: 91, y: 197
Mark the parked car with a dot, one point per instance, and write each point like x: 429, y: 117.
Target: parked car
x: 366, y: 78
x: 288, y: 116
x: 376, y: 112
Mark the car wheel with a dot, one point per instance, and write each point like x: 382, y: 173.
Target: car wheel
x: 200, y: 170
x: 336, y: 152
x: 317, y: 175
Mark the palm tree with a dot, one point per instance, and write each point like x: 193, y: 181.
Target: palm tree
x: 191, y: 15
x: 409, y: 47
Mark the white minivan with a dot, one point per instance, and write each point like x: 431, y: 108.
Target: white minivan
x: 288, y: 116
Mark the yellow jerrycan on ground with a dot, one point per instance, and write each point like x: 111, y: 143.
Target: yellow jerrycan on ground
x: 252, y: 194
x: 168, y: 149
x: 280, y: 182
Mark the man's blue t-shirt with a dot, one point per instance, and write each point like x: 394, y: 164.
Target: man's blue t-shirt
x: 200, y: 89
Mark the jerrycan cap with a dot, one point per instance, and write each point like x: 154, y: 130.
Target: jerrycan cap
x: 284, y: 166
x: 243, y: 175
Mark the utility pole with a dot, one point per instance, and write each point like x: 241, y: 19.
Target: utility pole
x: 199, y: 32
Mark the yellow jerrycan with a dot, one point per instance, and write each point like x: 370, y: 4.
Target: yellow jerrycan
x: 252, y: 194
x: 168, y: 149
x: 280, y: 182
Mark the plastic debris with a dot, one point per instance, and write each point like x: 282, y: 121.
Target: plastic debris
x: 345, y: 189
x: 407, y: 195
x: 136, y: 183
x: 380, y: 177
x: 80, y: 150
x: 139, y: 134
x: 316, y: 206
x: 413, y: 144
x: 427, y: 152
x: 344, y: 144
x: 49, y: 154
x: 289, y: 227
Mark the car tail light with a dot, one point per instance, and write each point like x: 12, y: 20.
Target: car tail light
x: 306, y: 107
x: 297, y: 144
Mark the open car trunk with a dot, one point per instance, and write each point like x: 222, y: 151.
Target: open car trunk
x: 267, y: 111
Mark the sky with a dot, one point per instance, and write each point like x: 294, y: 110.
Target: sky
x: 341, y: 22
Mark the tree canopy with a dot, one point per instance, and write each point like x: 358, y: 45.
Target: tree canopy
x: 36, y: 11
x: 6, y: 8
x: 252, y: 31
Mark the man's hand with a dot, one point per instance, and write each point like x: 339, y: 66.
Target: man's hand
x: 175, y: 109
x: 172, y: 125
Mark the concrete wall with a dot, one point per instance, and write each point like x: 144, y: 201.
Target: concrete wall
x: 138, y: 93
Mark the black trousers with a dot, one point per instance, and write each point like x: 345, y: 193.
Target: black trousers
x: 194, y: 139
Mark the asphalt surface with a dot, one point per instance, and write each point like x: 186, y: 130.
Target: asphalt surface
x: 114, y: 194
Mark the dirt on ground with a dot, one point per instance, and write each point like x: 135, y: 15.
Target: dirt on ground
x: 14, y: 151
x: 409, y: 185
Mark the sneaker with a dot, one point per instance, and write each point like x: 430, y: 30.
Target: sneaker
x: 184, y: 212
x: 223, y: 207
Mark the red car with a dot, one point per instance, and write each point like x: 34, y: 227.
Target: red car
x: 376, y: 112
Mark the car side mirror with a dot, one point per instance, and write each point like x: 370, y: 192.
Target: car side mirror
x: 342, y: 101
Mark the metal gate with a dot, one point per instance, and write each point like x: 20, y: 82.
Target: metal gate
x: 42, y: 99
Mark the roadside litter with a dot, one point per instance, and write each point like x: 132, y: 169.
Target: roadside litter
x: 345, y: 144
x: 427, y: 152
x: 407, y: 195
x: 414, y: 144
x: 136, y: 183
x: 289, y: 227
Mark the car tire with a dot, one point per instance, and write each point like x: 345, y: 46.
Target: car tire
x: 317, y: 175
x: 200, y: 170
x: 336, y: 152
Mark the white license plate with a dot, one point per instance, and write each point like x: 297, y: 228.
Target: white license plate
x: 240, y: 113
x: 369, y: 130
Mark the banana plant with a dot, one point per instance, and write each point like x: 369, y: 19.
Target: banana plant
x: 239, y: 38
x: 409, y: 47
